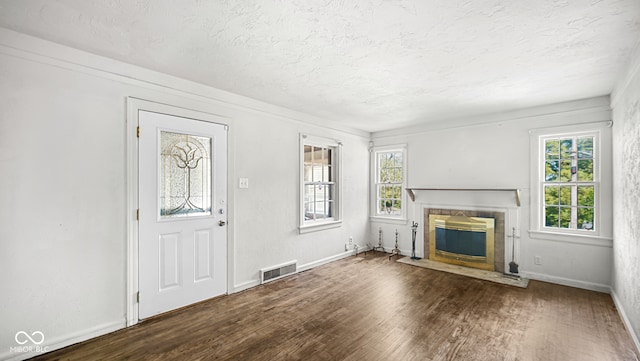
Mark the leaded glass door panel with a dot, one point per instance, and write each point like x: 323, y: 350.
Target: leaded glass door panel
x: 185, y: 175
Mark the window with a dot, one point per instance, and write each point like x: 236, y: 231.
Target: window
x: 389, y: 182
x: 571, y: 183
x: 320, y: 206
x: 568, y: 184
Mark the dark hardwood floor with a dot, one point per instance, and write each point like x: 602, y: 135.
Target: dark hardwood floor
x: 370, y: 308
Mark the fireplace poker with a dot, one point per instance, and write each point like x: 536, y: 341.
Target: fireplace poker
x: 513, y: 266
x: 414, y: 231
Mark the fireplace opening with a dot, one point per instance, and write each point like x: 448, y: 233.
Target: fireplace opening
x: 462, y: 240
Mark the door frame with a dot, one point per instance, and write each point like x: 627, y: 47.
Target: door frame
x: 134, y: 105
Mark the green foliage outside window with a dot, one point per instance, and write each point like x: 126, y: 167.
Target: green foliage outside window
x: 569, y: 191
x: 389, y: 183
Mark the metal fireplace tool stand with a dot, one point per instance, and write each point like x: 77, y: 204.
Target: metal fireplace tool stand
x: 396, y: 250
x: 379, y: 246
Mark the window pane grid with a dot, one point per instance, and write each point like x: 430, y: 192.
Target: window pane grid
x: 388, y: 182
x: 568, y: 183
x: 319, y: 187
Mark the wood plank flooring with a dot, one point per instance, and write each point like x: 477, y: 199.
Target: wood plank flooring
x: 370, y: 308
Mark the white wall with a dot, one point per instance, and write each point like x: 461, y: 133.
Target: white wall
x: 63, y: 190
x: 267, y: 212
x: 626, y: 246
x: 496, y: 154
x: 64, y: 187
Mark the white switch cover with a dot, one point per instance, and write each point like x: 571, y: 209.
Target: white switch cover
x: 244, y: 183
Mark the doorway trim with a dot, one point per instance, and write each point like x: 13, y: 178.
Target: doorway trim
x: 133, y: 106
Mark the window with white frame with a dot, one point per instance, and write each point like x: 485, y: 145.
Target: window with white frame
x: 389, y: 176
x: 569, y: 184
x: 320, y: 170
x: 572, y: 183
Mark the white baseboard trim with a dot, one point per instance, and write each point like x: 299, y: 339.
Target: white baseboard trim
x: 253, y: 283
x: 64, y: 341
x: 567, y: 282
x: 625, y: 320
x: 320, y: 262
x: 246, y: 285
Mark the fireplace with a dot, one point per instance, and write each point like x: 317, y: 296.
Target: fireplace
x: 462, y: 240
x: 468, y: 238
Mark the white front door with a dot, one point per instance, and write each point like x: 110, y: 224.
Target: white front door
x: 182, y: 177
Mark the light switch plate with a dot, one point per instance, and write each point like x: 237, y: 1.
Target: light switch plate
x: 243, y: 183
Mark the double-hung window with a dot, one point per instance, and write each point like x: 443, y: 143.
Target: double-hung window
x: 571, y: 184
x: 389, y: 181
x: 320, y: 183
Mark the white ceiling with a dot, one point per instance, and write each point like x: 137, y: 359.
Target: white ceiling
x: 369, y: 64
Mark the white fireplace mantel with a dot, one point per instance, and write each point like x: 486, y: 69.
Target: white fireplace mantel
x: 516, y: 191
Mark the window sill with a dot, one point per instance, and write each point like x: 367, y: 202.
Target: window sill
x: 590, y: 240
x: 319, y: 227
x: 392, y: 220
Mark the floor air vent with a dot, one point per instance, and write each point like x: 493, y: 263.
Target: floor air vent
x: 279, y: 271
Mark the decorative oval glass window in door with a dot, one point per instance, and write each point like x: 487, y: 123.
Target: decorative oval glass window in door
x: 185, y: 175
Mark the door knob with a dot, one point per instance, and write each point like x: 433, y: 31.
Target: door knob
x: 222, y: 223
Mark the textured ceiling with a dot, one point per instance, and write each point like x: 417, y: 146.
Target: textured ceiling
x: 369, y: 64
